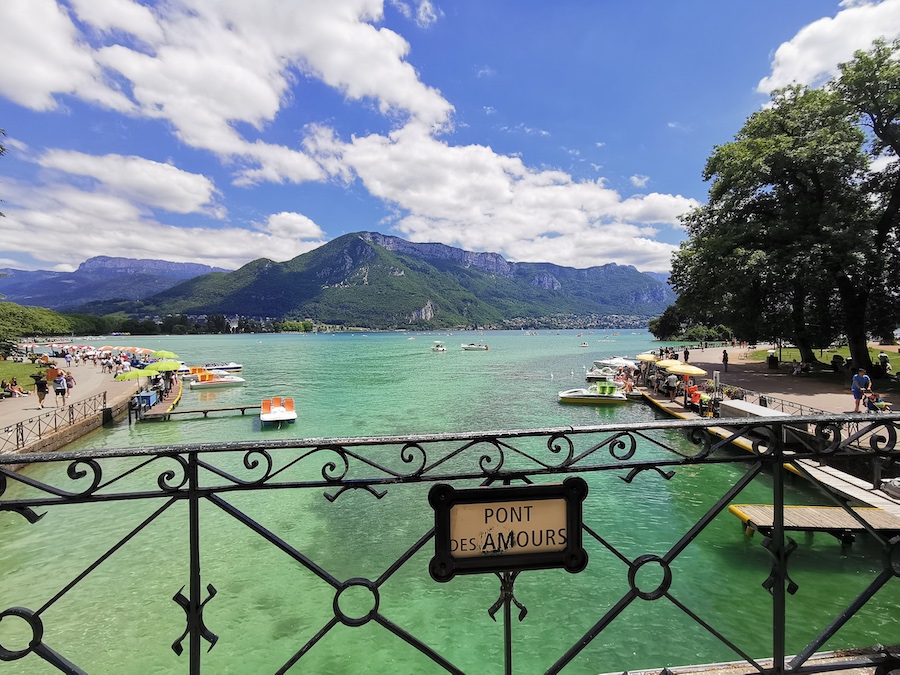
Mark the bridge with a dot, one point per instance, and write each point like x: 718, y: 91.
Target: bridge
x: 332, y: 573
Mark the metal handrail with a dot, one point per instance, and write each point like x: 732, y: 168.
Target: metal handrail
x: 19, y: 436
x: 226, y: 475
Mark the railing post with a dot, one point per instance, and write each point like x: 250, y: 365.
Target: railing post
x: 194, y: 620
x: 508, y: 579
x: 779, y: 552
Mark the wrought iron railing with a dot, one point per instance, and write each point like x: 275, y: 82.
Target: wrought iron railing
x: 269, y: 488
x: 31, y: 431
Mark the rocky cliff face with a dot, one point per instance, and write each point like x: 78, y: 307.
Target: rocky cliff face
x: 99, y: 278
x: 174, y: 270
x: 486, y: 262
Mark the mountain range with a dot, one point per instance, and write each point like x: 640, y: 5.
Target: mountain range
x: 370, y: 280
x: 96, y: 279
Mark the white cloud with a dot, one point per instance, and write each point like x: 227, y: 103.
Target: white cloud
x: 73, y: 225
x: 813, y: 54
x: 123, y: 15
x: 883, y: 162
x: 426, y: 14
x: 471, y: 197
x: 639, y: 181
x: 43, y: 55
x: 142, y: 180
x: 293, y: 226
x: 213, y: 63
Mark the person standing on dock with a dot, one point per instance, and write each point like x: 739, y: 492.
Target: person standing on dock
x: 859, y: 385
x: 725, y: 359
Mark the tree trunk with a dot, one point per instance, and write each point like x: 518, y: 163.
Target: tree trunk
x: 854, y: 300
x: 807, y: 355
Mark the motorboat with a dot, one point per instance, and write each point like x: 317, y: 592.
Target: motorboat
x: 214, y: 379
x: 584, y: 344
x: 277, y: 410
x: 596, y: 374
x: 472, y: 347
x: 615, y: 362
x: 601, y: 393
x: 438, y: 346
x: 230, y: 367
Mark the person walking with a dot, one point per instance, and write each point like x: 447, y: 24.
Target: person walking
x: 725, y: 359
x: 60, y: 388
x: 859, y: 385
x: 41, y: 388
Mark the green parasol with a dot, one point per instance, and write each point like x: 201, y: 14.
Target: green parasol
x: 165, y: 365
x: 165, y: 354
x: 132, y: 375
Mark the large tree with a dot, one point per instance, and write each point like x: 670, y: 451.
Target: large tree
x: 870, y: 85
x: 798, y: 239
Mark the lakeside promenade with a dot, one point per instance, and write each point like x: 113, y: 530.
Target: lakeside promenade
x: 809, y: 391
x: 751, y: 375
x: 89, y: 382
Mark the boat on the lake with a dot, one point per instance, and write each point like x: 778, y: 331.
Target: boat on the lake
x: 214, y: 379
x: 277, y: 410
x: 472, y: 347
x: 438, y: 346
x: 601, y: 393
x: 229, y: 367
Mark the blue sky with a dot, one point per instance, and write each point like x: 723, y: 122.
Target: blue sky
x: 222, y: 131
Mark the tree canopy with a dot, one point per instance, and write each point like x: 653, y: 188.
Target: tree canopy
x: 798, y: 237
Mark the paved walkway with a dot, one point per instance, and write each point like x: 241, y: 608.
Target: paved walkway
x: 812, y: 391
x: 89, y: 381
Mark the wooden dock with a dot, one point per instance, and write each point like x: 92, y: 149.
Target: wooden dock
x: 196, y: 411
x: 830, y: 519
x: 835, y: 480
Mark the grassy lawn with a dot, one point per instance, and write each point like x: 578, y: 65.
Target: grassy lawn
x: 20, y: 371
x: 823, y: 370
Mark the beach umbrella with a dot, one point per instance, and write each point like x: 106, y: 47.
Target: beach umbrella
x: 165, y: 354
x: 131, y: 375
x: 647, y: 357
x: 686, y: 369
x: 165, y: 365
x: 106, y: 348
x: 667, y: 363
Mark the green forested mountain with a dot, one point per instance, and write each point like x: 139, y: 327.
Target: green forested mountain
x: 368, y: 279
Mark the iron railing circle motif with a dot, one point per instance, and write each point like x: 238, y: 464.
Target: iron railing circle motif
x: 357, y: 621
x: 37, y: 633
x: 663, y: 586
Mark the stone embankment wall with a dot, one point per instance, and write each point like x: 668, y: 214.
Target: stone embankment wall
x: 55, y: 440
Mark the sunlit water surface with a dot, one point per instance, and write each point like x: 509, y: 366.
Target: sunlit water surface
x: 121, y: 617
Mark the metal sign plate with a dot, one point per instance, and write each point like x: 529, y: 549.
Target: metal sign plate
x: 507, y: 528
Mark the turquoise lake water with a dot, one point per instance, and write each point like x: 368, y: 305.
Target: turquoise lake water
x: 121, y: 618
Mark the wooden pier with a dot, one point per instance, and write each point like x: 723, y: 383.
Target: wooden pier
x: 830, y: 519
x: 196, y: 411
